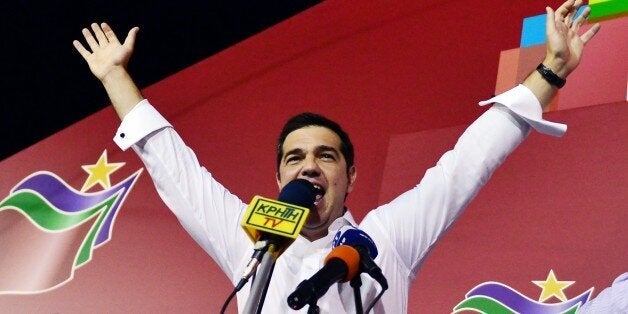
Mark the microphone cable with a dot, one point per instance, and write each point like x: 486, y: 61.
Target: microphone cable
x: 379, y: 295
x: 260, y: 249
x: 299, y: 193
x: 224, y: 306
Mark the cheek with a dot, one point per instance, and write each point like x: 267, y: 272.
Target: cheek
x: 339, y: 184
x: 287, y: 174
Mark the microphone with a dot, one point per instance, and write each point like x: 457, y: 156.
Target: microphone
x: 276, y: 222
x: 298, y: 192
x: 284, y: 217
x: 362, y: 242
x: 341, y: 264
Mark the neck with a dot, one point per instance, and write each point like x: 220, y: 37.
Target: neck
x: 314, y: 234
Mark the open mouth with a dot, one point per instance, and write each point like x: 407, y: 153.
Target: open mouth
x: 320, y: 192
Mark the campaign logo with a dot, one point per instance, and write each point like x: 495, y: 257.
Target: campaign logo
x: 495, y: 297
x: 48, y: 229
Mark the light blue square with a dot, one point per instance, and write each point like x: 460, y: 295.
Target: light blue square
x: 533, y: 30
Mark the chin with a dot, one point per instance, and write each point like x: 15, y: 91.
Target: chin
x: 312, y: 225
x: 316, y: 225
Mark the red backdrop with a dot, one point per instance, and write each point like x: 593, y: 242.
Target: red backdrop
x: 404, y: 78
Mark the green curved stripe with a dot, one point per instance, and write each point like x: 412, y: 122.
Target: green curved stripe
x: 483, y: 305
x: 45, y: 216
x: 85, y: 252
x: 572, y: 310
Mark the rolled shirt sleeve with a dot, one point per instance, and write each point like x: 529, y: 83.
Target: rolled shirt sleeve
x: 523, y: 104
x: 142, y: 120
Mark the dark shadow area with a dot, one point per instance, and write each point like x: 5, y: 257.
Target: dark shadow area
x: 46, y: 85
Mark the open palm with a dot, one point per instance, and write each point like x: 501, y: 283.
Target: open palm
x: 107, y: 53
x: 564, y: 44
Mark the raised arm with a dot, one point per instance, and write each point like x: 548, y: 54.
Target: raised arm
x: 415, y: 220
x: 564, y: 47
x: 108, y: 60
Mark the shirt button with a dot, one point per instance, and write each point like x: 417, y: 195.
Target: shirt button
x: 122, y: 135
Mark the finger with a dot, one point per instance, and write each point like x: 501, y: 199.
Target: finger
x: 569, y: 18
x: 129, y: 42
x: 102, y: 40
x: 562, y: 11
x: 79, y: 47
x: 111, y: 36
x: 91, y: 42
x: 550, y: 26
x: 568, y: 21
x: 581, y: 19
x: 590, y: 33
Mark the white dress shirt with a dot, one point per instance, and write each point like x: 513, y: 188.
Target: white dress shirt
x: 612, y: 300
x: 404, y: 230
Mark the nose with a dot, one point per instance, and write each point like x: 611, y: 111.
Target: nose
x: 310, y: 168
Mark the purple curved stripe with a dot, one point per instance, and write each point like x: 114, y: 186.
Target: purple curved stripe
x: 519, y: 303
x: 64, y: 197
x: 105, y: 230
x: 69, y: 200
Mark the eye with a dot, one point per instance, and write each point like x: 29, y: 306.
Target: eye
x: 292, y: 159
x: 327, y: 156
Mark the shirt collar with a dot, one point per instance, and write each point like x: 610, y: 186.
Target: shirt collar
x: 303, y: 247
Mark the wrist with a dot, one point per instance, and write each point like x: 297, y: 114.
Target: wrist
x: 122, y: 91
x: 114, y: 74
x: 557, y: 66
x: 549, y: 76
x: 541, y: 88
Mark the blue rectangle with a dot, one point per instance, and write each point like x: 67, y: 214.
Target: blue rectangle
x: 533, y: 31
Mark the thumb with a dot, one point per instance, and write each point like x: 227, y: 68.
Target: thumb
x: 550, y: 24
x: 129, y: 41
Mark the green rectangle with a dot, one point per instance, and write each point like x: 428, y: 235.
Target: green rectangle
x: 608, y: 8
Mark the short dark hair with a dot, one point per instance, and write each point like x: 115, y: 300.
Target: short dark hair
x: 312, y: 119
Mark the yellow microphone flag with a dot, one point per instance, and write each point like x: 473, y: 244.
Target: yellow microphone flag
x: 272, y: 216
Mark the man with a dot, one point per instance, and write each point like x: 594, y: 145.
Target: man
x: 316, y: 149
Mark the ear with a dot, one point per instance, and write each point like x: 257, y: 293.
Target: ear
x: 278, y: 181
x: 353, y: 174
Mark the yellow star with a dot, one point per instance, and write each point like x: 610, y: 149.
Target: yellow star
x: 99, y: 172
x: 552, y: 287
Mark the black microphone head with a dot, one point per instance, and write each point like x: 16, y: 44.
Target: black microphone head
x: 298, y: 192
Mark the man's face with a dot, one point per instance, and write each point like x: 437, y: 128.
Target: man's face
x: 313, y: 153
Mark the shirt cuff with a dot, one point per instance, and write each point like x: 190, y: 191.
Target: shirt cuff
x: 522, y: 102
x: 142, y: 120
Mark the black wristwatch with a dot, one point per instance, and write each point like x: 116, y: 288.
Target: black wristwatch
x: 550, y: 76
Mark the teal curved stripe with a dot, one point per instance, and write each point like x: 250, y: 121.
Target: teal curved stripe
x: 45, y: 216
x: 482, y: 304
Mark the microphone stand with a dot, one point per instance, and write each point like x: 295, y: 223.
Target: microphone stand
x: 259, y: 287
x: 313, y: 308
x: 356, y: 283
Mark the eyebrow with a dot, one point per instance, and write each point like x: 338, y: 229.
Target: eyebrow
x: 325, y: 148
x: 319, y: 149
x: 294, y: 151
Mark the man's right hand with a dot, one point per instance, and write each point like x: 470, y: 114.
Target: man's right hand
x: 107, y: 61
x: 107, y: 54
